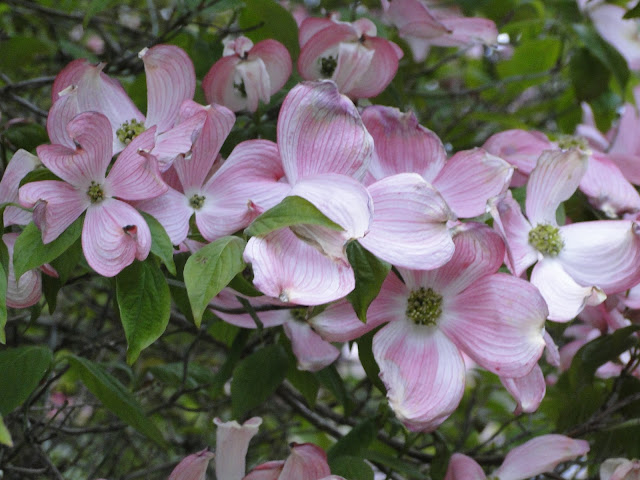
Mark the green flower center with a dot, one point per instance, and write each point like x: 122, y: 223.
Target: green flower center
x: 129, y: 130
x: 197, y: 201
x: 546, y: 239
x: 424, y: 306
x: 95, y: 192
x: 241, y: 89
x: 299, y: 314
x: 567, y: 142
x: 328, y: 65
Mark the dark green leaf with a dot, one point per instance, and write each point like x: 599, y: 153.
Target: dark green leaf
x: 160, y: 242
x: 356, y: 442
x: 144, y: 303
x: 94, y: 8
x: 256, y: 378
x: 29, y: 252
x: 353, y: 468
x: 5, y: 436
x: 331, y: 379
x: 369, y: 272
x: 393, y: 462
x: 233, y: 357
x: 67, y: 263
x: 22, y: 369
x: 303, y: 381
x: 272, y: 21
x: 114, y: 396
x: 633, y: 12
x: 290, y: 211
x: 244, y: 286
x: 38, y: 175
x: 211, y: 269
x: 590, y: 78
x: 172, y: 374
x: 365, y: 353
x: 50, y: 287
x: 4, y: 274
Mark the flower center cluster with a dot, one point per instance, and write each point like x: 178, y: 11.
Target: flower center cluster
x: 241, y: 89
x: 567, y: 142
x: 424, y: 306
x: 328, y: 65
x: 129, y: 130
x: 197, y: 201
x: 95, y: 192
x: 546, y: 239
x: 299, y: 314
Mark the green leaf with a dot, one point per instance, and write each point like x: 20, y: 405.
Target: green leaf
x: 273, y: 21
x: 353, y: 468
x: 38, y: 175
x: 20, y: 51
x: 144, y: 302
x: 633, y: 12
x: 244, y: 286
x: 303, y: 381
x: 26, y: 135
x: 4, y: 274
x: 530, y: 57
x: 211, y: 269
x: 331, y: 379
x: 94, y: 8
x: 114, y: 396
x: 393, y: 462
x: 365, y: 353
x: 22, y: 369
x: 5, y: 436
x: 172, y: 373
x: 29, y: 252
x: 291, y: 211
x: 590, y: 78
x: 160, y: 242
x: 67, y: 263
x: 233, y: 357
x: 369, y: 272
x: 356, y: 442
x: 256, y: 378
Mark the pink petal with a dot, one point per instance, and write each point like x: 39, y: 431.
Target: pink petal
x: 218, y: 84
x: 518, y: 147
x: 625, y: 139
x: 462, y: 467
x: 232, y: 443
x: 629, y: 165
x: 320, y: 131
x: 288, y: 269
x: 310, y: 26
x: 382, y: 68
x: 26, y: 291
x: 539, y: 455
x: 68, y: 76
x: 413, y: 18
x: 619, y: 32
x: 61, y: 112
x: 178, y: 140
x: 306, y: 462
x: 620, y: 469
x: 354, y: 59
x: 135, y: 174
x: 171, y: 79
x: 173, y: 212
x: 266, y: 471
x: 498, y: 321
x: 564, y: 297
x: 325, y: 41
x: 528, y: 391
x: 423, y: 372
x: 21, y: 163
x: 555, y: 178
x: 276, y: 60
x: 467, y: 31
x: 409, y: 227
x: 193, y: 467
x: 401, y: 144
x: 603, y: 253
x: 313, y: 353
x: 470, y: 178
x: 114, y: 235
x: 255, y: 78
x: 62, y: 205
x: 89, y: 161
x: 589, y: 130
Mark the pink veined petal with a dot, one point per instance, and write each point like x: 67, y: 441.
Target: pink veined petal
x: 306, y: 462
x: 629, y: 165
x: 220, y: 84
x: 552, y: 353
x: 382, y: 69
x: 354, y: 59
x: 409, y: 227
x: 253, y: 75
x: 518, y: 147
x: 423, y: 372
x: 462, y: 467
x: 528, y: 391
x: 193, y: 467
x: 607, y: 187
x: 62, y: 205
x: 509, y: 221
x: 479, y: 251
x: 539, y: 455
x: 173, y: 212
x: 467, y: 31
x: 68, y: 76
x: 470, y: 178
x: 324, y: 43
x: 171, y: 79
x: 589, y: 130
x: 625, y: 139
x: 498, y: 321
x: 89, y: 161
x: 313, y: 353
x: 178, y: 140
x: 604, y: 253
x: 555, y: 178
x: 320, y: 131
x: 277, y: 61
x: 28, y: 289
x: 135, y: 174
x: 310, y: 26
x: 339, y: 323
x: 288, y: 269
x: 564, y: 297
x: 266, y: 471
x: 619, y: 32
x: 21, y: 163
x: 232, y: 443
x: 413, y: 18
x: 114, y: 235
x: 402, y: 144
x: 60, y: 114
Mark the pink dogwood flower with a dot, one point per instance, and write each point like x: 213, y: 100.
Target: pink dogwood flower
x: 620, y: 469
x: 25, y: 291
x: 21, y: 163
x: 193, y: 467
x: 247, y: 74
x: 114, y: 233
x: 350, y: 54
x: 534, y: 457
x: 82, y: 87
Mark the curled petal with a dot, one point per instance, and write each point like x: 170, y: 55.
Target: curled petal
x: 232, y: 443
x: 266, y: 471
x: 277, y: 62
x: 619, y: 469
x: 323, y: 37
x: 61, y: 112
x: 306, y: 462
x: 467, y: 31
x: 413, y: 18
x: 114, y: 235
x: 193, y: 467
x: 320, y: 131
x: 518, y: 147
x: 221, y: 86
x: 354, y: 59
x: 313, y: 353
x: 178, y: 140
x: 462, y: 467
x: 26, y: 291
x: 255, y: 79
x: 382, y: 68
x: 528, y: 391
x: 21, y: 163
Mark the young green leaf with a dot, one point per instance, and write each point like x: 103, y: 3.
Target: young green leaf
x: 145, y: 305
x: 211, y: 269
x: 356, y: 442
x: 5, y: 436
x: 22, y: 369
x: 369, y: 272
x: 353, y: 468
x: 331, y: 379
x: 160, y: 243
